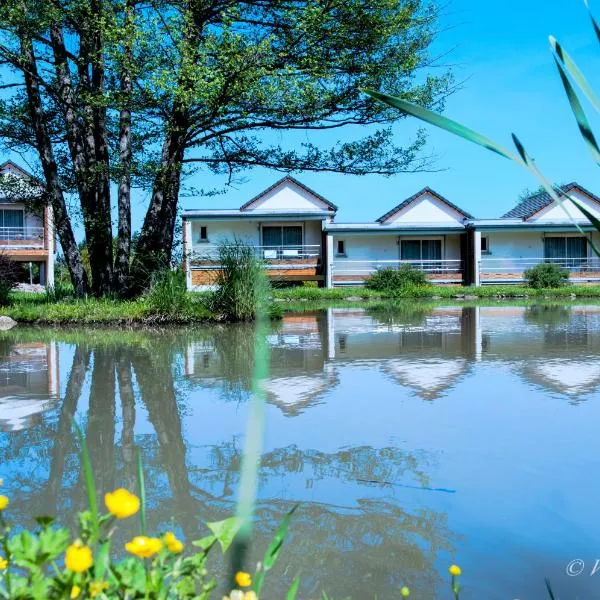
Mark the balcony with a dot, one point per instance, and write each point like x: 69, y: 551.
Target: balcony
x: 274, y: 257
x: 22, y: 237
x: 290, y: 263
x: 500, y: 270
x: 355, y: 272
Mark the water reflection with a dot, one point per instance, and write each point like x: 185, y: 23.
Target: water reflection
x: 362, y: 431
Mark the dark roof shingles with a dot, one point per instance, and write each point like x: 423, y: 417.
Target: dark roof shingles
x: 533, y: 204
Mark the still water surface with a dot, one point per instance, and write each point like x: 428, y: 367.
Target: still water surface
x: 410, y: 440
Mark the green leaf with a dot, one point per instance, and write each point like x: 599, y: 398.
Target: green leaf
x: 293, y: 591
x: 575, y: 73
x: 579, y: 113
x: 205, y: 543
x: 225, y: 531
x: 44, y: 520
x: 90, y: 485
x: 529, y: 163
x: 549, y: 588
x: 142, y: 491
x: 443, y: 123
x: 274, y: 549
x: 594, y: 23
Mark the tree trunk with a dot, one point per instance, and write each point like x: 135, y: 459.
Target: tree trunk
x: 123, y: 250
x: 44, y: 146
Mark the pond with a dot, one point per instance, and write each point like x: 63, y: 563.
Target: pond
x: 410, y: 439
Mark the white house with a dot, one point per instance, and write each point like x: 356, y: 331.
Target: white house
x: 294, y: 231
x: 26, y: 233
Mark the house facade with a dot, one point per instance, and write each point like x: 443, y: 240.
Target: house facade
x: 294, y: 231
x: 26, y: 234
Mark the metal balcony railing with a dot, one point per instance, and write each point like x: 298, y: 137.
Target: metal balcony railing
x: 519, y: 265
x: 364, y: 268
x: 266, y: 253
x: 22, y: 236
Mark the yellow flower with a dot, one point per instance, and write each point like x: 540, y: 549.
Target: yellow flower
x: 78, y: 558
x: 4, y: 501
x: 250, y: 595
x: 173, y: 544
x: 75, y: 591
x: 143, y: 547
x: 97, y: 587
x: 454, y: 570
x: 243, y: 579
x: 121, y: 503
x: 3, y: 564
x: 405, y: 592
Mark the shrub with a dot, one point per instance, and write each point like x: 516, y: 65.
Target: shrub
x: 9, y: 276
x: 242, y: 286
x: 168, y: 292
x: 546, y: 275
x: 390, y: 279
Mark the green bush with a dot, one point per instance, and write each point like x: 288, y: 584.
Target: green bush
x: 243, y: 288
x: 168, y: 292
x: 390, y: 279
x: 59, y: 292
x: 546, y: 275
x: 9, y: 276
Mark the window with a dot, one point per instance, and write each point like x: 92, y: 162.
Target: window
x: 203, y: 234
x: 341, y: 248
x: 566, y: 251
x: 421, y: 249
x: 282, y: 235
x: 485, y: 245
x: 11, y: 218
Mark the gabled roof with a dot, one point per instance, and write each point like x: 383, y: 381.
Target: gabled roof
x: 414, y: 197
x: 9, y: 165
x: 282, y: 181
x: 536, y: 202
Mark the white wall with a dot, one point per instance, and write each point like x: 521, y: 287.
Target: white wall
x: 426, y: 209
x: 514, y: 244
x: 385, y: 247
x: 288, y: 197
x: 246, y: 230
x: 555, y: 212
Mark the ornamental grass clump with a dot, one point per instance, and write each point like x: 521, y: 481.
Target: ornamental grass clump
x: 243, y: 288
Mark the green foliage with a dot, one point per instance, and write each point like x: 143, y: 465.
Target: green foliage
x: 168, y: 292
x: 58, y: 292
x: 9, y: 273
x: 391, y: 280
x: 242, y: 286
x: 546, y: 275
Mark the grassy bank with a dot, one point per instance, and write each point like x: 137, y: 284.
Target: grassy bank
x: 33, y: 308
x: 36, y: 309
x: 435, y: 293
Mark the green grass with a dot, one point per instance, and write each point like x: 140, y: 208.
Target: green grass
x: 35, y: 308
x: 32, y: 308
x: 293, y: 294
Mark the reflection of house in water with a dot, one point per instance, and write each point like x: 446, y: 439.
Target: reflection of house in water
x: 556, y: 347
x: 299, y: 375
x: 427, y: 351
x: 29, y: 382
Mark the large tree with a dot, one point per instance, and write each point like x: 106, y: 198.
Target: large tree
x: 141, y: 93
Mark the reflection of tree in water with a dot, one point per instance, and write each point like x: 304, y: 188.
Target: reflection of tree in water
x: 550, y: 315
x: 349, y: 545
x: 401, y: 313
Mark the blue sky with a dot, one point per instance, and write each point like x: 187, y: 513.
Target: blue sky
x: 501, y: 51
